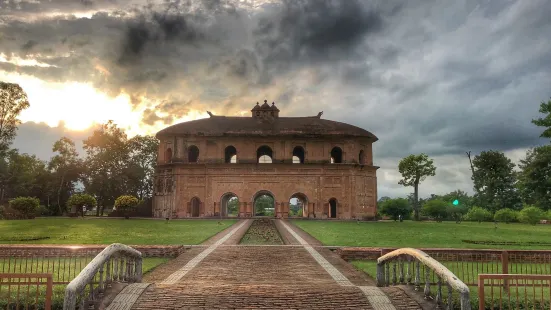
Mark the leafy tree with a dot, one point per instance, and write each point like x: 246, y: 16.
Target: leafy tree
x: 26, y: 206
x: 545, y: 108
x: 262, y: 203
x: 67, y: 168
x: 396, y: 207
x: 462, y: 197
x: 414, y: 170
x: 436, y: 209
x: 126, y: 203
x: 141, y: 165
x: 77, y: 201
x: 456, y: 213
x: 477, y: 214
x: 233, y: 206
x: 534, y: 179
x: 13, y: 100
x: 531, y: 215
x: 106, y: 162
x: 548, y: 215
x: 506, y: 215
x: 495, y: 180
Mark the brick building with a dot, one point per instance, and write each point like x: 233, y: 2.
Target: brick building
x: 326, y: 165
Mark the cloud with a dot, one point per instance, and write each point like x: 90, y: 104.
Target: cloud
x: 424, y: 76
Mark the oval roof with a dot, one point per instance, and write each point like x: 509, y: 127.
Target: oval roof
x: 216, y: 126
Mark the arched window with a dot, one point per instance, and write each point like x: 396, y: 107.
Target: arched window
x: 168, y: 155
x: 336, y: 155
x: 230, y: 155
x: 192, y: 154
x: 264, y: 155
x: 361, y: 158
x: 298, y: 155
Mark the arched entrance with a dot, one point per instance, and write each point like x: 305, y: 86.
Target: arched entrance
x: 298, y: 205
x: 333, y: 208
x: 229, y: 205
x: 195, y: 206
x: 264, y: 204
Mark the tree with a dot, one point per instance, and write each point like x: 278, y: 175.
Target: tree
x: 141, y: 165
x: 545, y: 108
x: 463, y: 199
x: 534, y: 179
x: 106, y: 164
x: 456, y: 213
x: 126, y: 203
x: 13, y: 100
x: 495, y: 180
x: 531, y: 215
x: 67, y: 168
x: 506, y: 215
x: 436, y: 209
x: 26, y: 206
x: 414, y: 170
x: 477, y: 214
x: 395, y: 207
x: 77, y: 202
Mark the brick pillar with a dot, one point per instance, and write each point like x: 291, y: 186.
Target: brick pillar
x: 242, y: 209
x: 285, y: 207
x: 248, y: 207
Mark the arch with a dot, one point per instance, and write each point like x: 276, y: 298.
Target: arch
x: 301, y: 203
x: 333, y: 203
x: 298, y: 155
x: 230, y: 154
x: 192, y: 154
x: 361, y: 157
x: 168, y: 155
x: 229, y: 205
x: 266, y: 206
x: 336, y: 155
x: 264, y: 155
x: 195, y: 204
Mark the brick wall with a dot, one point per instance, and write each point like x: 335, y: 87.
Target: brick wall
x: 18, y: 250
x: 476, y: 255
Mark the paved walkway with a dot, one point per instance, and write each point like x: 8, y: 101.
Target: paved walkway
x: 225, y: 275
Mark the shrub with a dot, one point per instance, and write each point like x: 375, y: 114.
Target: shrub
x: 456, y: 213
x: 531, y: 215
x: 396, y: 207
x: 548, y: 215
x: 26, y: 206
x: 436, y: 209
x: 506, y: 215
x: 477, y: 214
x: 78, y: 201
x: 126, y: 203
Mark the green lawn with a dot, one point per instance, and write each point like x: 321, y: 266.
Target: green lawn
x: 107, y: 231
x: 426, y: 234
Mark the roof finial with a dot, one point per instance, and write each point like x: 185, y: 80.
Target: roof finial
x: 273, y: 103
x: 257, y: 103
x: 265, y: 101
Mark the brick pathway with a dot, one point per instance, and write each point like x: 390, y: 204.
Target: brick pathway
x: 224, y: 275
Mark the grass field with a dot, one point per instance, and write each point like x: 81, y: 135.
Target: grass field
x: 107, y: 231
x: 427, y: 234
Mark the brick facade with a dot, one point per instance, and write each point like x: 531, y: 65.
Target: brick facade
x: 200, y: 186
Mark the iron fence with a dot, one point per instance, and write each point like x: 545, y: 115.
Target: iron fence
x: 26, y: 290
x: 514, y: 291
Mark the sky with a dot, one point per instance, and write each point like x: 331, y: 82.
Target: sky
x: 434, y: 77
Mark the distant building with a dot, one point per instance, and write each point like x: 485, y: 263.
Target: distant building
x: 326, y: 165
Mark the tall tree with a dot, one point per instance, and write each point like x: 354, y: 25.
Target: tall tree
x: 141, y: 165
x: 67, y: 167
x: 495, y: 179
x: 13, y: 100
x: 414, y: 170
x: 545, y: 108
x: 106, y: 164
x: 534, y: 181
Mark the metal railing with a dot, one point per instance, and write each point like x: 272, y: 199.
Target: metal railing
x: 116, y: 263
x: 28, y: 290
x: 407, y: 266
x: 514, y: 291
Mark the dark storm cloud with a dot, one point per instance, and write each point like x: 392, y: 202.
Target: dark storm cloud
x: 423, y: 76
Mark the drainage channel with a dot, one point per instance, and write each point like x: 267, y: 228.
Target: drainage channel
x: 262, y: 232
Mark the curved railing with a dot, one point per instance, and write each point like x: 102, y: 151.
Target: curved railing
x: 415, y: 261
x: 116, y: 263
